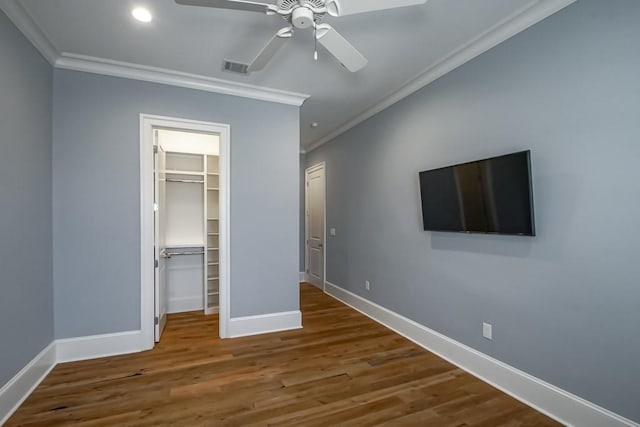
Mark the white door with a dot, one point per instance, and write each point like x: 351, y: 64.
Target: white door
x: 160, y: 185
x: 315, y: 222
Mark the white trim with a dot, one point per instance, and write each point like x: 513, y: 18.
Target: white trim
x: 322, y: 165
x: 559, y: 404
x: 224, y: 224
x: 127, y: 70
x: 147, y: 235
x: 16, y: 391
x: 519, y: 21
x: 147, y: 124
x: 184, y: 304
x: 264, y: 323
x: 95, y: 346
x: 531, y: 14
x: 303, y: 276
x: 90, y: 64
x: 21, y: 19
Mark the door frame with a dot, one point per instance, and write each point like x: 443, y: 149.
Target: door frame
x: 147, y: 290
x: 323, y: 166
x: 159, y: 198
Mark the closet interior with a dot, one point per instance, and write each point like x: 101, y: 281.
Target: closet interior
x: 191, y: 220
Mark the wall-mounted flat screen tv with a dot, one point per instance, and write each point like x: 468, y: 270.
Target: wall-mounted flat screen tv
x: 486, y: 196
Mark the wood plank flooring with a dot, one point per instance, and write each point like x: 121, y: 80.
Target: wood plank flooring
x: 342, y: 369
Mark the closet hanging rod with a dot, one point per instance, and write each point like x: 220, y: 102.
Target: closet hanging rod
x: 171, y: 254
x: 190, y: 181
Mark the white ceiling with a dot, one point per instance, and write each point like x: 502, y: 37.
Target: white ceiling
x: 400, y: 44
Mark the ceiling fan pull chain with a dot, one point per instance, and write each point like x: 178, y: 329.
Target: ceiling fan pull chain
x: 315, y: 43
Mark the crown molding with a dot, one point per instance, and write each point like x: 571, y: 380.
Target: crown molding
x: 89, y: 64
x: 68, y: 61
x: 529, y: 15
x: 517, y: 22
x: 21, y: 19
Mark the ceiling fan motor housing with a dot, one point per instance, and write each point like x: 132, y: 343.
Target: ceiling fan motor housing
x: 302, y: 18
x: 300, y: 13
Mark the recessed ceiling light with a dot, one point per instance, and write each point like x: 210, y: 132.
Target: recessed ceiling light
x: 142, y: 14
x: 314, y: 124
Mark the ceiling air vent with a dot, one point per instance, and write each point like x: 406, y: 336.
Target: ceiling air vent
x: 235, y: 67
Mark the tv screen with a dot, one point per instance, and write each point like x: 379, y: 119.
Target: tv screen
x: 486, y: 196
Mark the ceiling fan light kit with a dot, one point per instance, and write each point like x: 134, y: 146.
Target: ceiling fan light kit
x: 302, y: 15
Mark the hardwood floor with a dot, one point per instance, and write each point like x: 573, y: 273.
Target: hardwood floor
x: 341, y: 369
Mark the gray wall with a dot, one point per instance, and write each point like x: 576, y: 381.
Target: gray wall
x: 564, y: 305
x: 26, y: 304
x: 96, y: 198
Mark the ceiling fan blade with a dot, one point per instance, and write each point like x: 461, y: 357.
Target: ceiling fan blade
x: 268, y: 52
x: 351, y: 7
x: 339, y: 47
x: 251, y: 6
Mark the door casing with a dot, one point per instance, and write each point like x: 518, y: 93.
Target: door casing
x: 147, y: 260
x: 159, y: 221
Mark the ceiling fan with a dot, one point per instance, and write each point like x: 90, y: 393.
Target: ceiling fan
x: 305, y: 14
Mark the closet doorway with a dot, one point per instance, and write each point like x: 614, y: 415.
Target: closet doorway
x: 184, y: 222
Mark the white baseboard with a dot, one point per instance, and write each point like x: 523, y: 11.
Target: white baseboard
x: 303, y: 276
x: 182, y: 305
x: 559, y: 404
x: 13, y: 393
x: 264, y: 324
x: 92, y: 347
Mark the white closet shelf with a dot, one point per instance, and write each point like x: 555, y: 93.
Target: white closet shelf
x: 186, y: 181
x: 184, y: 245
x: 183, y: 253
x: 212, y: 309
x: 183, y: 172
x: 212, y: 193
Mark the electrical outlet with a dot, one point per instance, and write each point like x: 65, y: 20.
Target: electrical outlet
x: 332, y: 231
x: 367, y: 285
x: 487, y: 331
